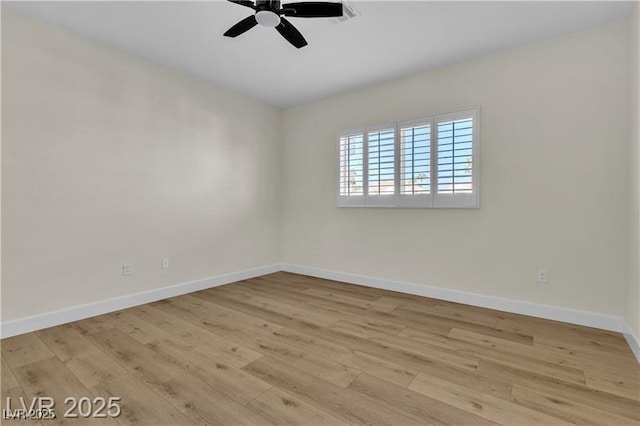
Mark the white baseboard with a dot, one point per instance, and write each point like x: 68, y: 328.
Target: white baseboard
x: 632, y: 340
x: 556, y: 313
x: 75, y: 313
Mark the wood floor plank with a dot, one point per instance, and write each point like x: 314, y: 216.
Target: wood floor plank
x: 232, y: 324
x: 271, y: 304
x: 435, y: 324
x: 423, y: 409
x: 24, y: 349
x: 267, y: 344
x: 94, y: 367
x: 308, y: 361
x: 418, y: 349
x: 65, y: 341
x: 604, y: 401
x: 268, y: 315
x: 139, y: 404
x: 457, y: 312
x: 51, y: 378
x: 293, y: 281
x: 326, y: 307
x: 344, y: 404
x: 482, y: 405
x: 135, y: 357
x: 384, y: 304
x: 586, y: 356
x: 204, y: 404
x: 562, y: 355
x: 7, y: 378
x: 281, y: 408
x: 220, y: 347
x: 94, y: 324
x: 627, y: 386
x: 309, y: 343
x: 560, y: 332
x: 229, y: 380
x: 137, y: 328
x: 85, y: 360
x: 488, y: 347
x: 568, y: 410
x: 337, y: 297
x: 385, y: 370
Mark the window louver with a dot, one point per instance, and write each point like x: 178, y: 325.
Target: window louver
x: 455, y: 157
x: 381, y: 162
x: 415, y: 160
x: 351, y: 165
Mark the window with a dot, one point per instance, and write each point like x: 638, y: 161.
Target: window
x: 428, y: 162
x: 352, y: 168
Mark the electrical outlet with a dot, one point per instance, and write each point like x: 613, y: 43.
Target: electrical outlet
x: 127, y: 269
x: 543, y: 277
x: 165, y: 263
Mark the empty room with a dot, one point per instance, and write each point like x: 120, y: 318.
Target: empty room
x: 260, y: 212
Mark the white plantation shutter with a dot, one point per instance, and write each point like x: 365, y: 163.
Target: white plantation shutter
x: 415, y: 163
x: 381, y: 162
x: 427, y: 162
x: 456, y: 173
x: 351, y: 169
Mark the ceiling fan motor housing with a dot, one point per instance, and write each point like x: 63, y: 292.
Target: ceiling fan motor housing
x: 267, y: 5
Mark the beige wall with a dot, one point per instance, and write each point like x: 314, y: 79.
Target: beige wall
x: 633, y: 300
x: 554, y: 178
x: 108, y: 159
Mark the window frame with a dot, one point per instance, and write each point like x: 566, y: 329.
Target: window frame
x: 431, y: 200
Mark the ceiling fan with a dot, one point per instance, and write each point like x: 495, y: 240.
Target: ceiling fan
x: 269, y: 13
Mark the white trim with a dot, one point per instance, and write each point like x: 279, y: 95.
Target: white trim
x: 556, y: 313
x: 632, y: 339
x: 75, y: 313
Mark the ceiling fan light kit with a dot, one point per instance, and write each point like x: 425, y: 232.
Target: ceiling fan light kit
x: 269, y: 13
x: 266, y: 18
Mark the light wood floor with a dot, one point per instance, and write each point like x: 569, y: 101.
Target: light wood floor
x: 290, y: 349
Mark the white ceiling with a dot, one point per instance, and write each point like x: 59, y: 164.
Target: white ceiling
x: 390, y: 39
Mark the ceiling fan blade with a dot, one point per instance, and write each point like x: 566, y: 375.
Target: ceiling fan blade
x: 246, y: 3
x: 288, y: 31
x: 312, y: 9
x: 241, y: 27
